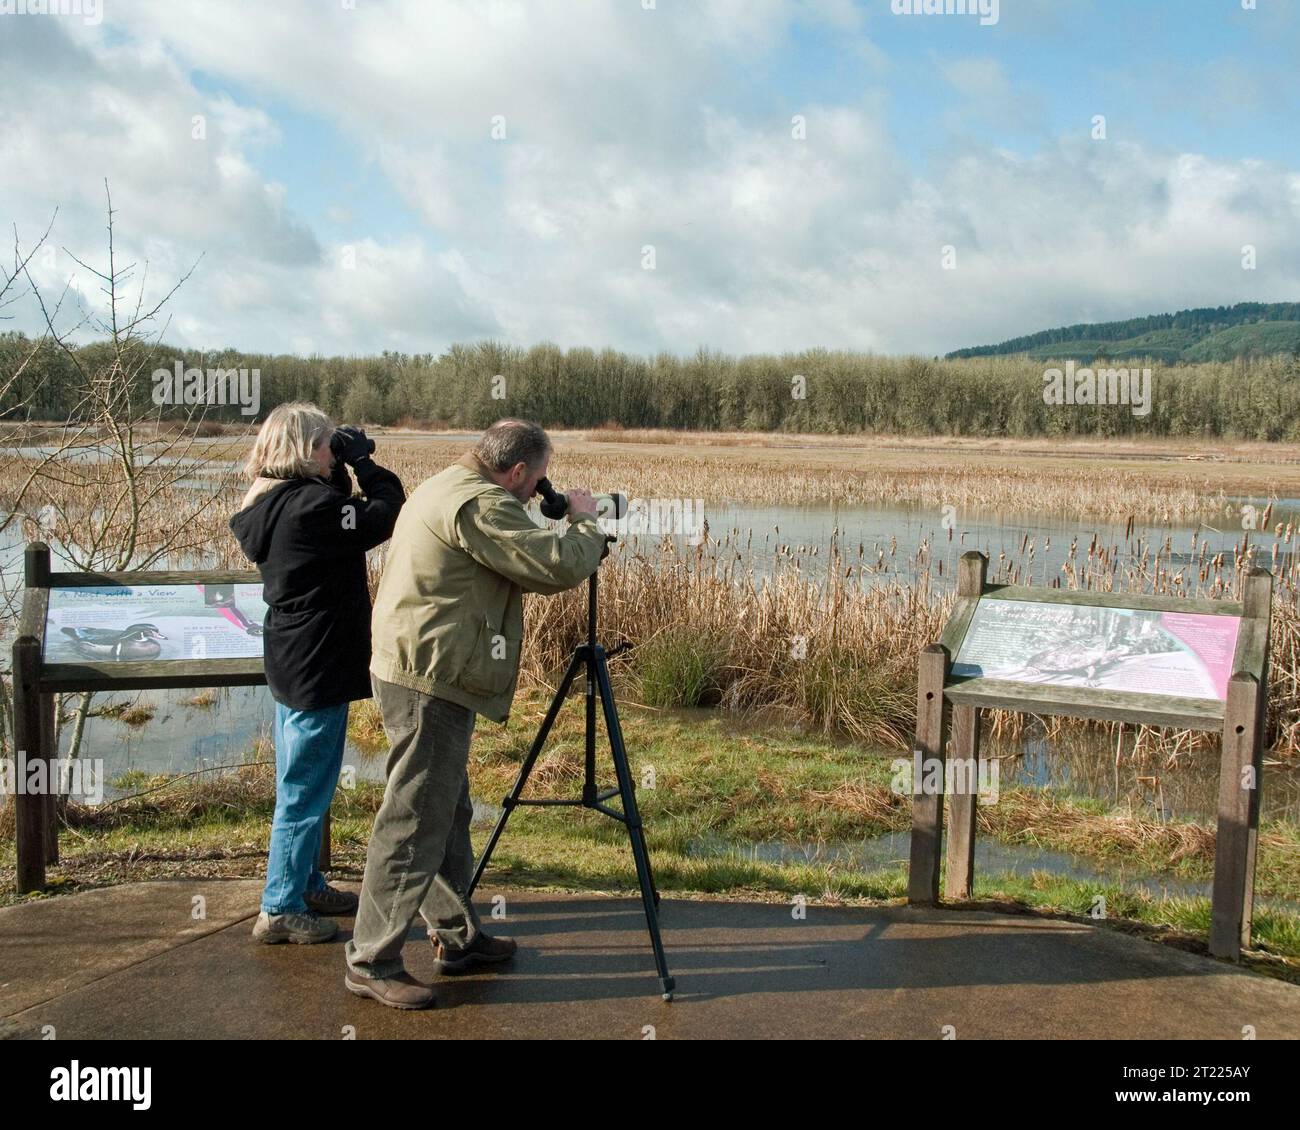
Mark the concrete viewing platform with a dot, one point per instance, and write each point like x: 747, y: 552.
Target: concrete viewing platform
x: 175, y: 960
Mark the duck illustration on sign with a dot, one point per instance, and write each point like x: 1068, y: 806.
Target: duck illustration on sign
x: 136, y: 641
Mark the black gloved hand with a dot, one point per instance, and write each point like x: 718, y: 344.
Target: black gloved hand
x: 610, y: 539
x: 339, y: 477
x: 351, y: 444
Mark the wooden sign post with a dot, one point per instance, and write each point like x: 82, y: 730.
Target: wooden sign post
x: 38, y: 678
x: 1163, y: 661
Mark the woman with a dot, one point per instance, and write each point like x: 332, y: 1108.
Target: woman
x: 308, y: 537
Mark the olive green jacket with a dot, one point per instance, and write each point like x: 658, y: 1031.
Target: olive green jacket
x: 448, y: 618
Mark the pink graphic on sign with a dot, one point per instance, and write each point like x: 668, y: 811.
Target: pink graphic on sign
x: 1212, y: 639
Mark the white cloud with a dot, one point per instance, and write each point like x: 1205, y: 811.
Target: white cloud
x: 625, y: 128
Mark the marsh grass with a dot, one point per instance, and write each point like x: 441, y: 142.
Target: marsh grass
x: 679, y: 667
x: 129, y: 713
x: 822, y: 641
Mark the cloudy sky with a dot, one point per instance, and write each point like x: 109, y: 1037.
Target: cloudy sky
x: 360, y: 175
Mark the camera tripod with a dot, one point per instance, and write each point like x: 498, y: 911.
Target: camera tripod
x: 593, y: 656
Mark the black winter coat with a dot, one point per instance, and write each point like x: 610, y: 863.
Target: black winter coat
x: 311, y: 552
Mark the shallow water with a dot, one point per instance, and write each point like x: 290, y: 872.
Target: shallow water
x: 991, y: 858
x: 100, y: 453
x: 897, y: 544
x: 1157, y: 786
x: 181, y: 738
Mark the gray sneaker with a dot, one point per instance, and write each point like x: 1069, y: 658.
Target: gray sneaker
x: 401, y: 990
x: 303, y: 927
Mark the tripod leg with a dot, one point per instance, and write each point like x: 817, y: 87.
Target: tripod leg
x: 632, y: 816
x: 626, y: 787
x: 579, y: 658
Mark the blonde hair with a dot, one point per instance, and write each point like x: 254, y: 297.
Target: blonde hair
x: 284, y: 445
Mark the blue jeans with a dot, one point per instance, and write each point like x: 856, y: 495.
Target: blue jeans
x: 308, y: 757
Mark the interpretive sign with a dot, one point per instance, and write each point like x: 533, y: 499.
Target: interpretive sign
x: 125, y: 623
x: 1112, y: 648
x: 1182, y: 662
x: 121, y: 631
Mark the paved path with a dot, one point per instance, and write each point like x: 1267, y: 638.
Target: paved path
x: 132, y: 961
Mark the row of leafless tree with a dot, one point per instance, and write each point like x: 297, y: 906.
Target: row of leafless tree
x: 98, y: 486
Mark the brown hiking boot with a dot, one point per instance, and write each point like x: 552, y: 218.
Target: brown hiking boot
x: 401, y: 990
x: 483, y: 950
x: 330, y: 900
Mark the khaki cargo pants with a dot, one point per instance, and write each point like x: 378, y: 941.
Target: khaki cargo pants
x: 419, y: 860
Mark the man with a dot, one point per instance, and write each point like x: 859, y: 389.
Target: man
x: 447, y: 630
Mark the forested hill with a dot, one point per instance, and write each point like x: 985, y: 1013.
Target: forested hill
x: 1210, y: 333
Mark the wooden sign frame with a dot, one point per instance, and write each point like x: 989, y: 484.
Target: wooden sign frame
x: 950, y: 703
x: 37, y: 682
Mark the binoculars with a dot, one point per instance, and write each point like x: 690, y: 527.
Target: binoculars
x: 339, y: 440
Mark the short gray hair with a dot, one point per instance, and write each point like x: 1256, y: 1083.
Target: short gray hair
x: 508, y: 442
